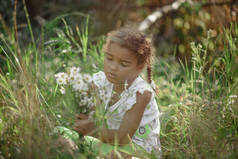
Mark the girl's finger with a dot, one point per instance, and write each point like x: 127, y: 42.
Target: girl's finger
x: 82, y: 116
x: 77, y: 128
x: 81, y: 123
x: 80, y: 130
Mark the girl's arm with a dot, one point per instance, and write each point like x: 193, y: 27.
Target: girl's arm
x: 129, y: 124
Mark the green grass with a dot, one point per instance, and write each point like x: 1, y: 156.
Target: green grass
x: 200, y: 108
x: 198, y: 102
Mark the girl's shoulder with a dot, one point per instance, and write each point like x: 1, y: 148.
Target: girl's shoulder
x: 138, y: 86
x: 141, y: 86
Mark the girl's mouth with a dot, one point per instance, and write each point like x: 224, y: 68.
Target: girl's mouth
x: 111, y: 75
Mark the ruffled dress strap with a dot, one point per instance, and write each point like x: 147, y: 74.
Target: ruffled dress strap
x: 139, y: 86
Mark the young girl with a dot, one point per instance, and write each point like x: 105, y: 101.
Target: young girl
x: 132, y: 115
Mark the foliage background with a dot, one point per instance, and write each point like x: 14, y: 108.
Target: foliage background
x: 195, y: 69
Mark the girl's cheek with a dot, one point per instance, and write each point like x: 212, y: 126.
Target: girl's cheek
x: 107, y: 63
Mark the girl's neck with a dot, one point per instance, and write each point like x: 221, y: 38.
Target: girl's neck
x: 118, y: 88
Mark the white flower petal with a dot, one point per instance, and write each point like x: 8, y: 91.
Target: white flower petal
x: 62, y: 90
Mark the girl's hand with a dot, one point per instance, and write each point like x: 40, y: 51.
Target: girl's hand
x: 82, y: 117
x: 83, y: 125
x: 67, y: 145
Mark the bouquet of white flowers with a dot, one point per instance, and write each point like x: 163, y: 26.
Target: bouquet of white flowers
x: 79, y: 83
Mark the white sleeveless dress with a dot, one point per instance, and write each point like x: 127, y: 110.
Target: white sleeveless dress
x: 147, y: 135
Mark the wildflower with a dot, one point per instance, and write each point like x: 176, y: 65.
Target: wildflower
x: 199, y: 46
x: 86, y: 101
x: 64, y: 51
x: 90, y: 103
x: 61, y: 78
x: 94, y: 66
x: 84, y: 87
x: 102, y: 95
x: 82, y: 102
x: 231, y: 99
x: 78, y: 85
x: 233, y: 96
x: 73, y: 78
x: 74, y: 70
x: 62, y: 90
x: 87, y: 78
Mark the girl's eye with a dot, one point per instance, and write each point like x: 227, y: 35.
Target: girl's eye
x: 109, y: 58
x: 124, y: 65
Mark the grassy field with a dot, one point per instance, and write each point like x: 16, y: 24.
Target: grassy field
x: 198, y: 98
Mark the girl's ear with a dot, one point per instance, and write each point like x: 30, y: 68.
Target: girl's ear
x: 140, y: 67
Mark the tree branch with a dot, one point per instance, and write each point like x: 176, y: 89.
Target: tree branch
x: 158, y: 13
x: 149, y: 20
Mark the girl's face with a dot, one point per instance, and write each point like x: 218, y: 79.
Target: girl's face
x: 120, y: 64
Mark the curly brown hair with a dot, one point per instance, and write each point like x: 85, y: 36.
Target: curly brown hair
x: 135, y: 41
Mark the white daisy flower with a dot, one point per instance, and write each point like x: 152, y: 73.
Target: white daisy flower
x: 74, y: 70
x: 78, y: 85
x: 231, y: 99
x: 233, y: 96
x: 87, y: 78
x: 61, y: 78
x: 75, y: 77
x: 84, y: 87
x: 82, y: 102
x: 62, y: 90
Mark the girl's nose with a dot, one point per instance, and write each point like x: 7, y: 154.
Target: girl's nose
x: 114, y: 66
